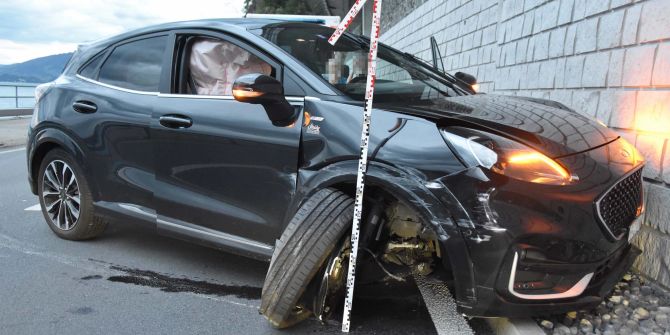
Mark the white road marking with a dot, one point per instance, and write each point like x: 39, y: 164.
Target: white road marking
x: 198, y: 295
x: 10, y: 151
x: 34, y: 208
x: 442, y: 307
x: 26, y: 248
x: 18, y: 117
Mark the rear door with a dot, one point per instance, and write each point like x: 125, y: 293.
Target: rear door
x: 115, y: 99
x: 224, y: 173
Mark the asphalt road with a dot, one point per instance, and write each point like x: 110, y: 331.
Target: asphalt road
x: 132, y: 281
x: 13, y: 131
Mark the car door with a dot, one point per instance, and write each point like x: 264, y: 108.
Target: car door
x: 224, y: 173
x: 114, y: 102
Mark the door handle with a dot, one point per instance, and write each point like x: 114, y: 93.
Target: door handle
x: 175, y: 121
x: 85, y: 107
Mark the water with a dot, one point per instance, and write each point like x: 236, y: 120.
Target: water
x: 9, y: 92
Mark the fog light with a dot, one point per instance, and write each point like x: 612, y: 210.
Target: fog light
x: 531, y: 283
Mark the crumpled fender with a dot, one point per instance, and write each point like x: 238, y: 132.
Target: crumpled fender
x: 413, y: 192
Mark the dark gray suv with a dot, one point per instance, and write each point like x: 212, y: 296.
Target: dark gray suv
x: 244, y: 135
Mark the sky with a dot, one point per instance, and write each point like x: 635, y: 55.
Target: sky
x: 34, y: 28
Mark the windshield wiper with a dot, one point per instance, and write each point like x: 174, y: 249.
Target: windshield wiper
x: 453, y: 83
x: 413, y: 57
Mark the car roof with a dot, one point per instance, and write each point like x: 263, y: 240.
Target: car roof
x: 235, y: 26
x: 231, y: 24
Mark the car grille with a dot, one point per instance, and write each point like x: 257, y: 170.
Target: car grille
x: 619, y: 206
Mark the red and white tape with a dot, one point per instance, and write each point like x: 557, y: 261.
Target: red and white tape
x: 344, y: 24
x: 365, y: 139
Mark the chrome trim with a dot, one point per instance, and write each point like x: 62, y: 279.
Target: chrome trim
x: 189, y: 96
x: 115, y: 87
x: 600, y: 198
x: 195, y: 96
x: 574, y: 291
x: 218, y: 235
x: 137, y: 209
x: 218, y: 97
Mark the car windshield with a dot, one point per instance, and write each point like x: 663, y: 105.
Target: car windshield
x: 400, y: 77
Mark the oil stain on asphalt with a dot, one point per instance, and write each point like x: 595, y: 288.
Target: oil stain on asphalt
x: 171, y: 284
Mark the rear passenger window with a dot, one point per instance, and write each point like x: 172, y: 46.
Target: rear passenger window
x: 91, y: 69
x: 135, y: 65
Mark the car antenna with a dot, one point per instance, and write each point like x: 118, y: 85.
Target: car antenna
x: 436, y: 55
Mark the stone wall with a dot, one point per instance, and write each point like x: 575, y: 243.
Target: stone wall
x: 395, y: 10
x: 609, y: 59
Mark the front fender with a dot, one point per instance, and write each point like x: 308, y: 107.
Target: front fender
x: 430, y: 199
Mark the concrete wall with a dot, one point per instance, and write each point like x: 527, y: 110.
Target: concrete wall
x: 609, y: 59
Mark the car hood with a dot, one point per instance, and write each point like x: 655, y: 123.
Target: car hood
x: 547, y: 126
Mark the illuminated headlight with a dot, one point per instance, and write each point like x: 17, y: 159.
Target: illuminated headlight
x: 505, y: 157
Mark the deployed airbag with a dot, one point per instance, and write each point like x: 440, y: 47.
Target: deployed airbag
x: 215, y: 64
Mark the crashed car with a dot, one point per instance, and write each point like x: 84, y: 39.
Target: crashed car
x: 243, y: 135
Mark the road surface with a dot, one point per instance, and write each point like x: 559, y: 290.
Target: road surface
x: 132, y: 281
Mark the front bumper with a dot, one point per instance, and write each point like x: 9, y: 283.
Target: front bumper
x: 499, y: 301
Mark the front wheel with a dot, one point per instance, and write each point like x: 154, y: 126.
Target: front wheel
x: 65, y: 198
x: 312, y: 237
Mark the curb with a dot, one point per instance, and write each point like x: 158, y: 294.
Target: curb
x: 505, y: 326
x: 17, y: 117
x: 15, y: 112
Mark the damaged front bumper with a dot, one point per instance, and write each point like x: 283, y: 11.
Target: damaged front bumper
x: 512, y: 298
x: 533, y: 250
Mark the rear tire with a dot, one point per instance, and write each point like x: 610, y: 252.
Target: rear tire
x: 65, y: 198
x: 309, y: 239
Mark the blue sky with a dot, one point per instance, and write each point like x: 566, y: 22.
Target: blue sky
x: 34, y: 28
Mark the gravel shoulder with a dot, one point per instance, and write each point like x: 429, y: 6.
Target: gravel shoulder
x: 635, y: 306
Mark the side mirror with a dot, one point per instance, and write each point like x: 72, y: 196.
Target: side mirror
x: 264, y: 90
x: 468, y: 79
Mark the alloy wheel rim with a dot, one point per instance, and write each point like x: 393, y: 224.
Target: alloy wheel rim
x: 60, y: 195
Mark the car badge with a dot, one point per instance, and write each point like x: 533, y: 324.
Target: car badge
x: 309, y: 118
x: 625, y: 153
x: 313, y: 129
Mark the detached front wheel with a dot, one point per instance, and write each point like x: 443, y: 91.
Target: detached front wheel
x: 312, y: 237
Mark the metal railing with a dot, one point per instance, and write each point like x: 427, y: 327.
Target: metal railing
x: 17, y: 95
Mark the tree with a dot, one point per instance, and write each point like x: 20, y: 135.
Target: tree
x: 301, y: 7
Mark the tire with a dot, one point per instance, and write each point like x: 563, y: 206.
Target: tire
x: 309, y: 239
x: 86, y: 224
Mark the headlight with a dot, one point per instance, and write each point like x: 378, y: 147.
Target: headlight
x: 505, y: 157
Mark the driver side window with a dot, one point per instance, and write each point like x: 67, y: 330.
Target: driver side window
x: 213, y: 65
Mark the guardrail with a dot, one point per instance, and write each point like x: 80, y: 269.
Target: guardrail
x: 17, y: 95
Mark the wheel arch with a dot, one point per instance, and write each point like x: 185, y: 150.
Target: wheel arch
x: 410, y: 189
x: 46, y: 140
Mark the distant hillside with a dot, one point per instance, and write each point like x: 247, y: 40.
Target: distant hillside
x: 38, y: 70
